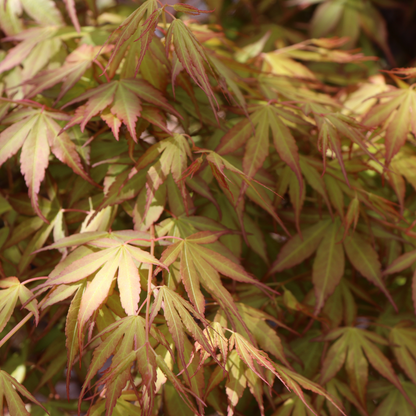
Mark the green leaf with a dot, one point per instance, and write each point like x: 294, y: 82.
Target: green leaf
x: 364, y: 258
x: 328, y: 266
x: 297, y: 249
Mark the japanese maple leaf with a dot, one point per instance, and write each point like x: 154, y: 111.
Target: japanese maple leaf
x: 234, y: 182
x: 403, y: 340
x: 125, y: 341
x: 124, y: 98
x: 29, y: 40
x: 264, y: 118
x: 201, y: 265
x: 401, y: 263
x: 13, y: 290
x: 395, y: 115
x: 134, y: 35
x: 351, y: 345
x: 37, y: 132
x: 328, y: 269
x: 74, y: 67
x: 390, y: 400
x: 192, y: 57
x: 115, y: 257
x: 256, y: 360
x: 9, y: 387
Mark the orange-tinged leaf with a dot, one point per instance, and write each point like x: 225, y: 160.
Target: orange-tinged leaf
x: 70, y: 7
x: 398, y: 129
x: 64, y: 149
x: 381, y: 112
x: 127, y: 108
x: 178, y: 317
x: 364, y: 258
x: 147, y: 366
x: 188, y: 9
x: 99, y: 98
x: 12, y: 138
x: 328, y: 267
x: 192, y: 57
x: 190, y: 279
x: 97, y: 290
x: 122, y: 36
x: 76, y: 63
x: 236, y: 137
x: 34, y: 160
x: 81, y: 268
x: 352, y: 215
x: 128, y: 283
x: 12, y: 291
x: 8, y: 299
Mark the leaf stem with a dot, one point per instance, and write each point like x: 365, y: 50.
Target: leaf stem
x: 152, y: 240
x: 149, y: 281
x: 34, y: 279
x: 20, y: 324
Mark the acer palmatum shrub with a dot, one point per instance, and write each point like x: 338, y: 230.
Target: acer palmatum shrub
x: 205, y: 218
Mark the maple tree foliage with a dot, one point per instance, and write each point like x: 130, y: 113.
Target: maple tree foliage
x: 197, y: 223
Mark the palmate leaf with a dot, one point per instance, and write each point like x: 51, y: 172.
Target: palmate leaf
x: 36, y: 132
x: 74, y: 67
x: 265, y: 336
x: 12, y: 291
x: 255, y: 359
x: 124, y: 99
x: 173, y: 152
x: 338, y: 389
x: 333, y: 127
x: 401, y: 263
x: 328, y: 269
x: 264, y: 118
x: 402, y: 338
x: 200, y: 265
x: 31, y: 39
x: 234, y: 182
x: 393, y: 404
x: 296, y: 250
x: 350, y: 347
x: 126, y: 342
x: 293, y: 405
x: 115, y: 255
x: 177, y: 313
x: 394, y: 114
x: 135, y: 32
x: 364, y: 258
x: 328, y: 266
x: 193, y: 58
x: 8, y: 391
